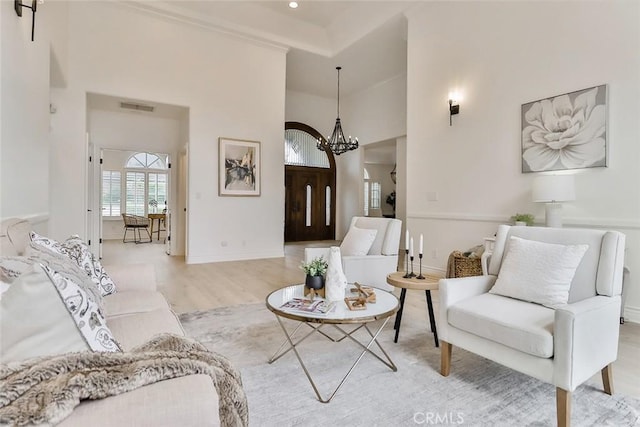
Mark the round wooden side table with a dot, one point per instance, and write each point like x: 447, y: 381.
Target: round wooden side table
x: 428, y: 284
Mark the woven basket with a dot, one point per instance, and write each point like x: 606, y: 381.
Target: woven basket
x: 459, y: 265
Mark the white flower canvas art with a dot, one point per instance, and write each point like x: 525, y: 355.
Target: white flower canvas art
x: 565, y: 132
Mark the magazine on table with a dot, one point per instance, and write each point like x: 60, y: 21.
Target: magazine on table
x: 308, y: 306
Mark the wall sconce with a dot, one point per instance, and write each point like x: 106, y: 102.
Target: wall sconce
x: 18, y: 5
x: 454, y: 106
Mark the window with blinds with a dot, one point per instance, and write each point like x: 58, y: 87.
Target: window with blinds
x: 135, y: 191
x: 375, y: 195
x: 157, y: 192
x: 144, y: 190
x: 300, y: 150
x: 111, y: 193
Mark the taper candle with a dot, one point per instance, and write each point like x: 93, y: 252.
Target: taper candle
x: 411, y: 248
x: 406, y: 240
x: 421, y: 242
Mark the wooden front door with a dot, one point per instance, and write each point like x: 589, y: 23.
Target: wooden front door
x: 309, y: 204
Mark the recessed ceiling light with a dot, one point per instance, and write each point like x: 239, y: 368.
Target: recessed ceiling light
x: 293, y: 4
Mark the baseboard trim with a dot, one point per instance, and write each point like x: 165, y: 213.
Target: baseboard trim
x: 238, y: 256
x: 632, y: 314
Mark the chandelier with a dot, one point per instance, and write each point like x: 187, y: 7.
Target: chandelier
x: 337, y: 143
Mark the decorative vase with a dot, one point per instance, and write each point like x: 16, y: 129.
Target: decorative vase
x: 521, y: 223
x: 336, y: 281
x: 314, y: 282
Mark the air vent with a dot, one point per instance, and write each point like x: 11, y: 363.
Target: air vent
x: 137, y: 107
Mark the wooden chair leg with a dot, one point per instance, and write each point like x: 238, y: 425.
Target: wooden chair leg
x: 607, y: 379
x: 563, y: 403
x: 445, y: 358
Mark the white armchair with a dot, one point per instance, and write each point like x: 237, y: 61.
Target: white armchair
x: 370, y: 269
x: 563, y: 346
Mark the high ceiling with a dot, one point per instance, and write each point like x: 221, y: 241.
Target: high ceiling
x: 366, y: 38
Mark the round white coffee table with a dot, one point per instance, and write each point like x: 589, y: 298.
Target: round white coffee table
x: 385, y: 306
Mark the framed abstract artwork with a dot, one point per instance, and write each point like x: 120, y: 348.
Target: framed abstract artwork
x: 566, y: 131
x: 239, y: 167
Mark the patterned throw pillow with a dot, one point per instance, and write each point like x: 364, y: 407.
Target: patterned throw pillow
x: 48, y: 243
x: 67, y: 267
x: 87, y: 314
x: 76, y: 249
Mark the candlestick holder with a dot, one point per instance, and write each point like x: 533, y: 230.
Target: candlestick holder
x: 406, y: 274
x: 412, y: 274
x: 420, y: 276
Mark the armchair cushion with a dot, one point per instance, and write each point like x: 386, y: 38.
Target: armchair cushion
x: 538, y: 272
x: 358, y: 241
x: 513, y: 323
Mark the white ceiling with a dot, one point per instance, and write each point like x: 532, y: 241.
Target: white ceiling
x: 366, y: 38
x: 321, y: 13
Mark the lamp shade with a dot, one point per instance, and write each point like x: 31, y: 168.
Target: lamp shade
x: 554, y: 188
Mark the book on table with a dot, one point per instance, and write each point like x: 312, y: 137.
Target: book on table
x: 308, y: 306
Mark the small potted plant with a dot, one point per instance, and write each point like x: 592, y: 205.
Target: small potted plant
x: 315, y: 270
x: 523, y: 219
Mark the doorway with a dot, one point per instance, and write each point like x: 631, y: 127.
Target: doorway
x: 147, y: 134
x: 310, y: 186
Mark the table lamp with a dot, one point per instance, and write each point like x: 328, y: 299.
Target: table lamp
x: 553, y: 189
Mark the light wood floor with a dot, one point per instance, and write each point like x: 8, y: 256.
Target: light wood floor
x: 205, y: 286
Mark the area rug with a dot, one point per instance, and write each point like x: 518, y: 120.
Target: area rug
x: 477, y: 393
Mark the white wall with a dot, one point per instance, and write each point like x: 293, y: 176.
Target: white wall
x: 401, y: 185
x: 500, y: 56
x: 378, y: 113
x: 233, y: 88
x: 24, y: 117
x: 373, y: 115
x: 312, y: 110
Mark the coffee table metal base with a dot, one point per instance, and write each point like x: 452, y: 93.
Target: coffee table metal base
x: 317, y: 327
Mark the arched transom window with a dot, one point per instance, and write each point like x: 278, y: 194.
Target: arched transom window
x: 146, y: 161
x: 300, y: 150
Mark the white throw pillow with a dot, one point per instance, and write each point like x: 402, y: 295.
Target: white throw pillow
x: 35, y: 320
x: 538, y: 272
x: 4, y: 287
x: 358, y: 241
x: 11, y: 267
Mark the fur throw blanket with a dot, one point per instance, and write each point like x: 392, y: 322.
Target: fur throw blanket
x: 45, y: 390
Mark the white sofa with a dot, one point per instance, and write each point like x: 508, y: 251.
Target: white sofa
x: 370, y: 269
x: 134, y: 314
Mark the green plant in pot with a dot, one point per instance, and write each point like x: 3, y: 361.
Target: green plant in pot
x: 523, y: 219
x: 315, y: 270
